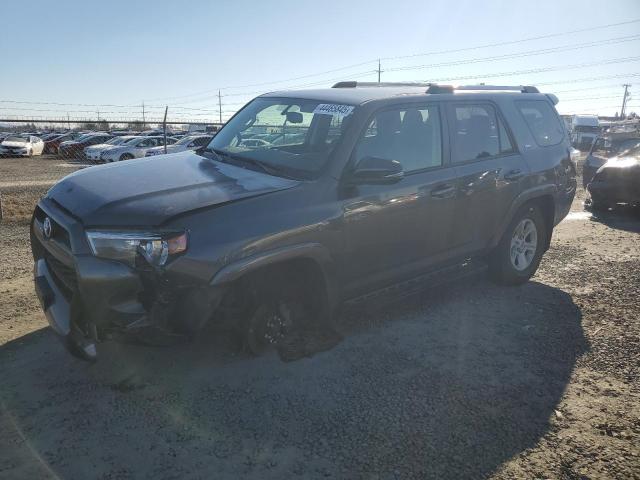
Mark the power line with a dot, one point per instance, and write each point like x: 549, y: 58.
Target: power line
x: 355, y: 65
x: 513, y: 42
x: 537, y: 70
x: 509, y: 56
x: 411, y: 67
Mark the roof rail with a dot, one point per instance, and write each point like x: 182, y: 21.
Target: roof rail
x: 514, y: 88
x: 354, y: 84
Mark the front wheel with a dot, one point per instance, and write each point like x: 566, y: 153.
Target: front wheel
x: 126, y: 156
x: 517, y: 256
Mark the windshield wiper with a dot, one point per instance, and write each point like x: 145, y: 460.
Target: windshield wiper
x: 266, y: 168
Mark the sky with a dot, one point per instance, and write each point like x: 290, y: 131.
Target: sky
x: 93, y: 59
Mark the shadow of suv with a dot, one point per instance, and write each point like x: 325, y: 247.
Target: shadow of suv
x: 303, y: 201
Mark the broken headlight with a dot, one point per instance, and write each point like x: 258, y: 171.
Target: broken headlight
x: 125, y: 247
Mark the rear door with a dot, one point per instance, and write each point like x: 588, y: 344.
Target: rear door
x: 396, y: 231
x: 491, y: 172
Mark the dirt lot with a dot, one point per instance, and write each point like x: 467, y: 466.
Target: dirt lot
x: 464, y: 381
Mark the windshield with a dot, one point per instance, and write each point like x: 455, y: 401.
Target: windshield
x: 294, y: 136
x: 115, y: 141
x: 587, y: 128
x: 82, y: 138
x: 15, y: 139
x: 185, y: 140
x: 605, y: 147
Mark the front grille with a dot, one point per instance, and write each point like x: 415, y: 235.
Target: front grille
x: 58, y: 233
x: 63, y: 275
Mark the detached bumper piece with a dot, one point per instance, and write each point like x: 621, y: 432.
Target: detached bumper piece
x: 59, y: 314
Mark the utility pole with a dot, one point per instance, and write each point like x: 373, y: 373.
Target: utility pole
x: 68, y: 122
x: 164, y: 127
x: 624, y: 99
x: 219, y: 107
x: 143, y: 119
x: 379, y: 70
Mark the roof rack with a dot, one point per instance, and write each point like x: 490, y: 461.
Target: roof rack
x: 354, y: 84
x: 513, y: 88
x: 435, y: 88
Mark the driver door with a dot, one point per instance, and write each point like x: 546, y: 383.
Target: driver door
x: 396, y: 231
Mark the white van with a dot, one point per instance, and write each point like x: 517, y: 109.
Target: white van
x: 584, y: 130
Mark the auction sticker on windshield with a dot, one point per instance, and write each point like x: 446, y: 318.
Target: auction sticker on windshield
x: 333, y: 109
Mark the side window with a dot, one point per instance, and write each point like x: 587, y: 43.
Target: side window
x: 505, y: 142
x: 543, y: 122
x: 475, y: 132
x: 411, y: 136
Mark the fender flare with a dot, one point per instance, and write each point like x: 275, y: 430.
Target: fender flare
x: 519, y: 201
x: 311, y: 250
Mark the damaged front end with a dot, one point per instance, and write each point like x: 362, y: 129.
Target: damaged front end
x: 95, y: 286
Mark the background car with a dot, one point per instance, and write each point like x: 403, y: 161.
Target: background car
x: 24, y: 145
x: 192, y: 142
x: 617, y: 181
x: 133, y: 149
x: 52, y: 144
x: 92, y: 153
x: 603, y: 149
x: 75, y: 148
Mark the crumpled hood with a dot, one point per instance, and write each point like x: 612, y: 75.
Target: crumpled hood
x: 147, y: 192
x: 621, y: 163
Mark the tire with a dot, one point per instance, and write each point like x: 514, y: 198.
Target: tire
x: 126, y: 156
x: 596, y: 205
x: 518, y: 254
x: 277, y: 308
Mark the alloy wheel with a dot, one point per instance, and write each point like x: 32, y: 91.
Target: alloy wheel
x: 524, y: 244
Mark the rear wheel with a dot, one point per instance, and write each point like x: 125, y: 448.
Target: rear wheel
x: 517, y: 256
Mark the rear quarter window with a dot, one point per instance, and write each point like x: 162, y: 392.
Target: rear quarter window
x: 542, y: 120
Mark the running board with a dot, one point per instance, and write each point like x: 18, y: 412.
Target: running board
x: 407, y: 288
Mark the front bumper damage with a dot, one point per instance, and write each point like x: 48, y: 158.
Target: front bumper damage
x: 88, y: 300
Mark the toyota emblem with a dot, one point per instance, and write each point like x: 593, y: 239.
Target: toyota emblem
x: 46, y: 227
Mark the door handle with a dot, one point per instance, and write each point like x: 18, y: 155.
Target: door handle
x: 443, y: 191
x: 513, y: 175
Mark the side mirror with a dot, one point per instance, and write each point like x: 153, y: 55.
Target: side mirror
x: 376, y: 170
x: 294, y: 117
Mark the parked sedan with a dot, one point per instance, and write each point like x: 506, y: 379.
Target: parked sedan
x: 52, y: 145
x: 22, y: 145
x: 192, y: 142
x: 617, y: 181
x: 603, y: 149
x: 75, y: 148
x: 93, y: 152
x: 134, y: 149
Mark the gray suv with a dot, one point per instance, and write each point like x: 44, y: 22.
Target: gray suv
x: 303, y: 201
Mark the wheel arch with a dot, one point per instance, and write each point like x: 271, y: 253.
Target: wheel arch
x: 312, y: 260
x: 542, y: 197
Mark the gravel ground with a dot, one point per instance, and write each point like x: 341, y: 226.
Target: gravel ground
x: 464, y: 381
